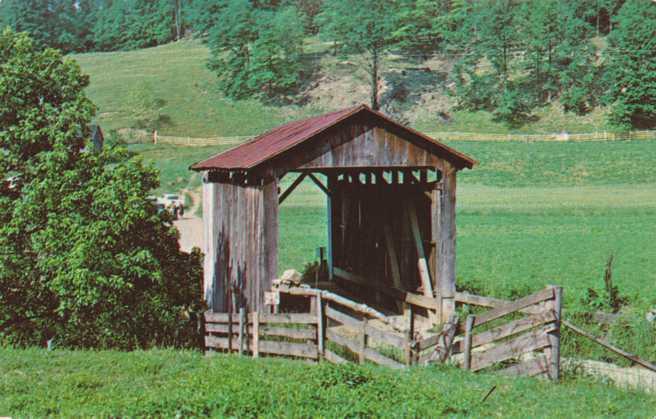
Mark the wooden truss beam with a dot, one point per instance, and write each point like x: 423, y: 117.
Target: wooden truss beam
x: 291, y: 188
x: 319, y: 184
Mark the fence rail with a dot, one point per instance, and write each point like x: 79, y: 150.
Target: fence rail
x: 140, y: 136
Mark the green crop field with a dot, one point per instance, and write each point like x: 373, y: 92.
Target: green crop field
x: 37, y: 383
x: 177, y: 74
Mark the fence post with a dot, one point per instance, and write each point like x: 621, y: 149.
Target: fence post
x: 242, y: 326
x: 408, y: 313
x: 321, y: 335
x: 256, y: 334
x: 554, y: 337
x: 230, y: 330
x: 469, y: 326
x: 363, y: 341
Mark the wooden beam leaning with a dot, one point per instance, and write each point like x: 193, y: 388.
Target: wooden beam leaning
x: 422, y: 262
x: 610, y: 347
x: 319, y: 184
x: 291, y: 188
x: 404, y: 296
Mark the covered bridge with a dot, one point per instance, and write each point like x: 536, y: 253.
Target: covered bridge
x: 391, y: 200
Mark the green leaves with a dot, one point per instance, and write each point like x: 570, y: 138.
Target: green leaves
x: 83, y: 254
x: 630, y: 74
x: 257, y: 51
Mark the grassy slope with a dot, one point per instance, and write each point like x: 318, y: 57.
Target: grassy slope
x: 167, y: 383
x: 177, y: 74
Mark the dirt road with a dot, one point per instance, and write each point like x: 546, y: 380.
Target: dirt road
x: 190, y: 225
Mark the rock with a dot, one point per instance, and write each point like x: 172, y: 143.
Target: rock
x: 291, y: 276
x: 651, y: 316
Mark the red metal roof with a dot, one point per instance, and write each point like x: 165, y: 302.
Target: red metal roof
x: 285, y: 137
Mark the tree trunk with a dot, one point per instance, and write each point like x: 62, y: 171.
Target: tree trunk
x: 374, y: 80
x: 178, y: 19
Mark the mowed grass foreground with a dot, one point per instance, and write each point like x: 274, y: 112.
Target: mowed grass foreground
x: 37, y: 383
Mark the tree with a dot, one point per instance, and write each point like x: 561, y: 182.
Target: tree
x: 257, y: 50
x: 421, y: 25
x: 363, y: 27
x: 84, y: 256
x: 630, y: 66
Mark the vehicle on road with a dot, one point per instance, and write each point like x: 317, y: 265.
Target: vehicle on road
x: 173, y: 204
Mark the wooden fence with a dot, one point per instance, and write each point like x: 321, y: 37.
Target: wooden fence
x: 521, y: 337
x: 510, y: 331
x: 140, y: 136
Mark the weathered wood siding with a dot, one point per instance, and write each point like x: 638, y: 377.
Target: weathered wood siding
x: 371, y: 147
x: 241, y: 227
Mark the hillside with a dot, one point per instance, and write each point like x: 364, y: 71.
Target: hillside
x: 177, y: 74
x: 36, y: 383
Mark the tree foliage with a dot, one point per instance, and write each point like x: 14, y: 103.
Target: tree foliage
x: 630, y: 74
x: 257, y: 50
x: 84, y: 257
x: 365, y: 27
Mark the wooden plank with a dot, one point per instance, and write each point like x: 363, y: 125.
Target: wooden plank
x: 379, y: 359
x: 427, y: 342
x: 219, y: 343
x: 468, y: 341
x: 393, y: 259
x: 305, y: 334
x: 256, y: 335
x: 349, y: 344
x: 530, y: 368
x: 362, y: 340
x: 403, y: 296
x: 446, y: 255
x: 301, y: 350
x: 422, y: 262
x: 219, y: 317
x: 340, y: 300
x: 554, y: 336
x: 477, y: 300
x: 321, y: 325
x: 409, y: 317
x: 513, y: 328
x: 332, y: 357
x: 242, y: 330
x: 529, y: 342
x: 342, y: 318
x: 288, y: 318
x: 319, y: 184
x: 496, y: 313
x: 610, y: 347
x: 385, y: 337
x: 291, y: 188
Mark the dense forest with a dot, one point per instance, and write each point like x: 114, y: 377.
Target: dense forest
x: 511, y: 56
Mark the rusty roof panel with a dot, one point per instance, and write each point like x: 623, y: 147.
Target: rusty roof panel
x: 283, y: 138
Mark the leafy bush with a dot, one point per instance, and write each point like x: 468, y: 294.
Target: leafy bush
x: 84, y: 256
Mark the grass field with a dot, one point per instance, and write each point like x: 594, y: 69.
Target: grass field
x: 36, y: 383
x: 177, y: 74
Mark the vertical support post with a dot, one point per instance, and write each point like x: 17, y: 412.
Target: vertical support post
x: 434, y: 257
x: 321, y: 335
x: 447, y: 242
x: 256, y: 334
x: 469, y: 326
x: 408, y: 314
x: 332, y: 181
x: 230, y: 330
x: 554, y: 337
x: 242, y: 328
x: 363, y: 341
